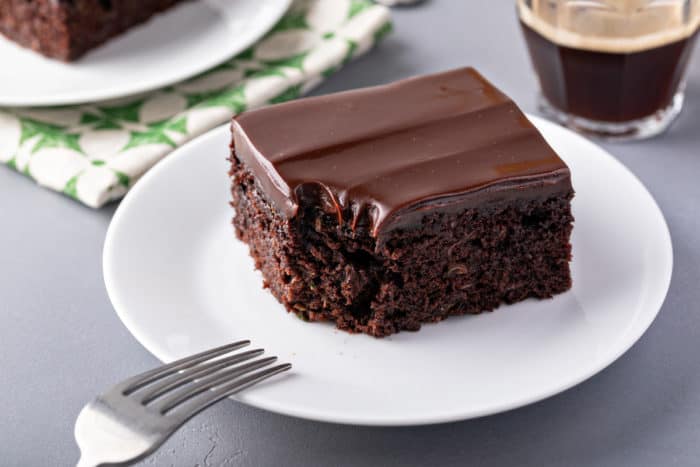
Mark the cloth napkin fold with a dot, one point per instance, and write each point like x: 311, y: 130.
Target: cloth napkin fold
x: 95, y: 152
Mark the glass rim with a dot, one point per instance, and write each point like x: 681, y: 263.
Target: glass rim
x: 609, y: 30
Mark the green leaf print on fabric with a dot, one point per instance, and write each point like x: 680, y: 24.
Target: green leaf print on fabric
x: 352, y: 47
x: 297, y: 61
x: 294, y: 20
x: 109, y: 117
x: 247, y: 54
x: 71, y: 188
x: 289, y: 94
x: 383, y: 31
x: 278, y: 66
x: 329, y: 71
x: 233, y: 99
x: 357, y: 7
x: 99, y: 122
x: 264, y: 72
x: 129, y: 112
x: 122, y: 178
x: 157, y: 133
x: 49, y: 136
x: 197, y: 98
x: 88, y: 118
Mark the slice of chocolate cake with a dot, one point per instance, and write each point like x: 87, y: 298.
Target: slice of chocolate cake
x: 387, y: 207
x: 66, y: 29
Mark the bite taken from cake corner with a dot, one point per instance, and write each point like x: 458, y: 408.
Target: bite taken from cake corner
x: 383, y: 208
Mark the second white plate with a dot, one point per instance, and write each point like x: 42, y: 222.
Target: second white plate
x: 182, y: 283
x: 175, y: 45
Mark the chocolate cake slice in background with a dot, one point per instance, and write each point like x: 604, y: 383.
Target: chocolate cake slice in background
x: 66, y: 29
x: 387, y: 207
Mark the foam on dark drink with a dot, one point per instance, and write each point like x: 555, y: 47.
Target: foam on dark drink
x: 618, y: 64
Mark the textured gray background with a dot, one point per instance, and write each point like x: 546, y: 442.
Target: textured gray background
x: 60, y: 341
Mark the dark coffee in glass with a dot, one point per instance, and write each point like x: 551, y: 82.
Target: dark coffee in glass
x: 613, y: 68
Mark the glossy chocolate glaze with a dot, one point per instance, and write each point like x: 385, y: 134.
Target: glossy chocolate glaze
x: 387, y: 155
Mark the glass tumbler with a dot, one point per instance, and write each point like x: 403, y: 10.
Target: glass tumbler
x: 611, y: 68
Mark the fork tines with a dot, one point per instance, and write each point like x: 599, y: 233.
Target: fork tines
x: 187, y: 386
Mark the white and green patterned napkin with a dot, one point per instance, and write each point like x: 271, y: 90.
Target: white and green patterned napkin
x: 94, y: 153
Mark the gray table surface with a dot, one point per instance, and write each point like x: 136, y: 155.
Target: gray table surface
x: 61, y: 342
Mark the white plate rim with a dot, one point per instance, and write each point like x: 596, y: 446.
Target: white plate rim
x: 78, y: 97
x: 631, y: 336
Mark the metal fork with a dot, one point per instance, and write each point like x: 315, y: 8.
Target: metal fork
x: 135, y: 417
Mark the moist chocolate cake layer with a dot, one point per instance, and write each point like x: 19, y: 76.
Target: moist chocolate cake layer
x: 385, y: 208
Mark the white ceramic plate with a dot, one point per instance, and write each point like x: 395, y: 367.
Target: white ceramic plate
x: 175, y: 45
x: 181, y: 283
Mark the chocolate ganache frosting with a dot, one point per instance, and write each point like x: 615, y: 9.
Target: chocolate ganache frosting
x: 395, y: 152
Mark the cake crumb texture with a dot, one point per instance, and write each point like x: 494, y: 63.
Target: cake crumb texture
x: 67, y: 29
x: 454, y: 263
